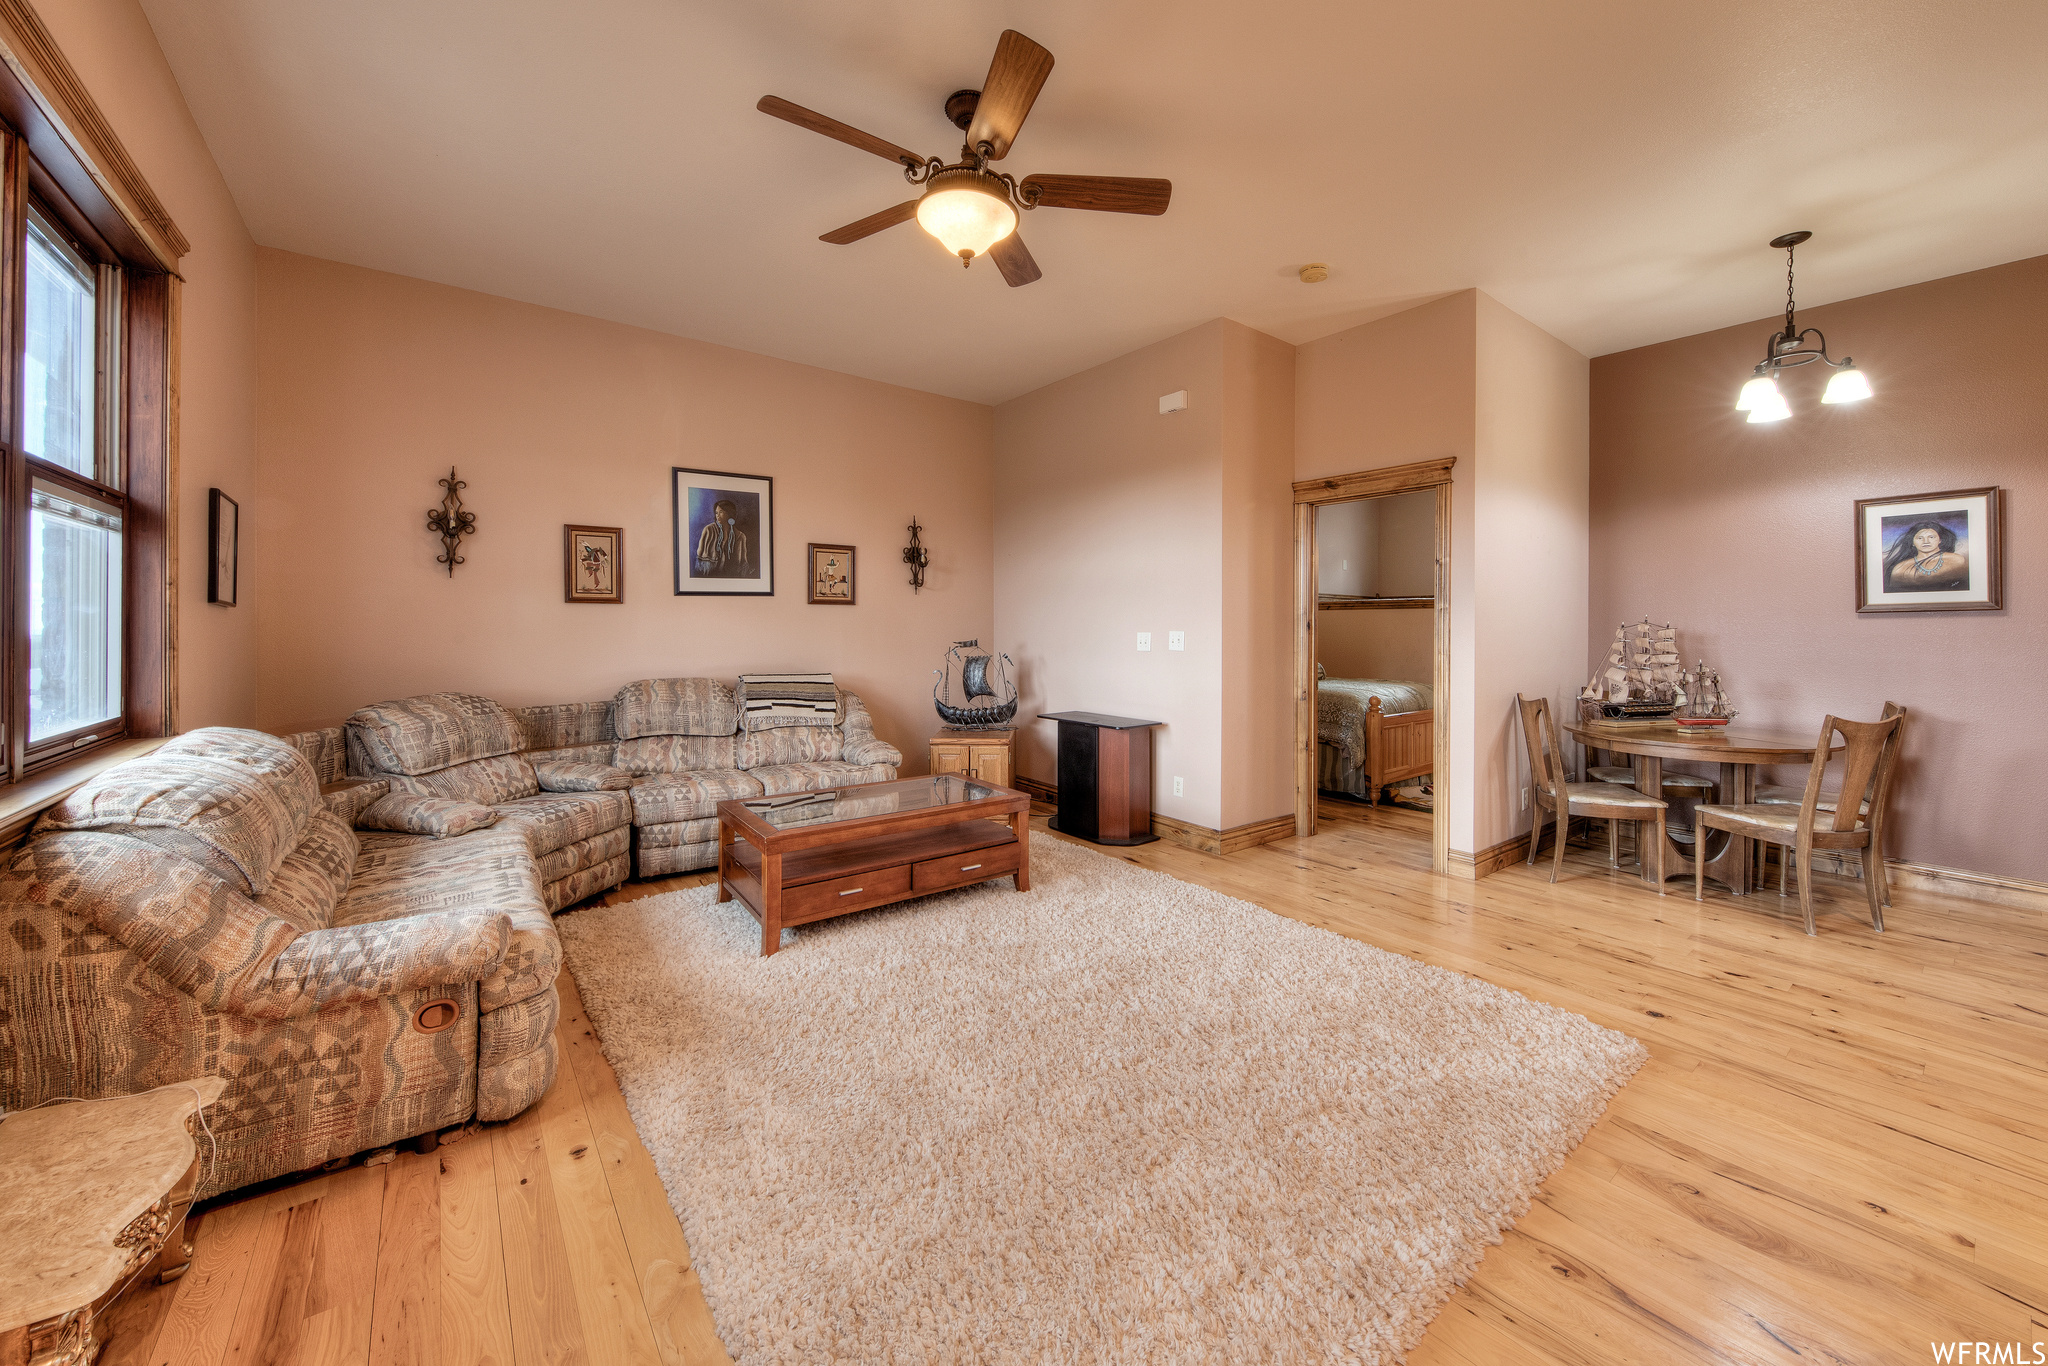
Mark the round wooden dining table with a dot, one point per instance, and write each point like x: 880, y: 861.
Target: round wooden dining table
x: 1738, y: 752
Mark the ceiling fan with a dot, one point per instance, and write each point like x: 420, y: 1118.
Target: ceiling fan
x: 971, y: 209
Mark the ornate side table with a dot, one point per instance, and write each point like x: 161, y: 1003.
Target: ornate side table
x: 91, y: 1193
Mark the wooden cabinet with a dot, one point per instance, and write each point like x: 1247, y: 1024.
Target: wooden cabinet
x: 983, y: 755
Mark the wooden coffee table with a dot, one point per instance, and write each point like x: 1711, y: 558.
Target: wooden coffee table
x: 796, y: 857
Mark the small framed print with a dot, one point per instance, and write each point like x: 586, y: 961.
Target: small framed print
x: 224, y: 542
x: 831, y: 575
x: 1931, y: 552
x: 593, y: 564
x: 725, y: 534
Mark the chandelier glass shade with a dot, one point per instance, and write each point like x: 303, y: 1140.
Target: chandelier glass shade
x: 1760, y: 396
x: 968, y: 211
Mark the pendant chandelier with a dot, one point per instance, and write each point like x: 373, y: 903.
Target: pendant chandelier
x: 1760, y: 397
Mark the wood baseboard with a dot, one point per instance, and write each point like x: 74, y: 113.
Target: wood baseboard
x: 1488, y: 861
x: 2018, y: 893
x: 1185, y: 833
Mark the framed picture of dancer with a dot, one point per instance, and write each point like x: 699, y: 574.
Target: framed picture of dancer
x: 725, y: 534
x: 593, y: 564
x: 1931, y: 552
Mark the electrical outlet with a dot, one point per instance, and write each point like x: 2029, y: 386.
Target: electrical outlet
x: 1179, y: 788
x: 1144, y: 640
x: 1176, y: 640
x: 1525, y: 799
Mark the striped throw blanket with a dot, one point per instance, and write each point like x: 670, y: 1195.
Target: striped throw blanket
x: 771, y: 700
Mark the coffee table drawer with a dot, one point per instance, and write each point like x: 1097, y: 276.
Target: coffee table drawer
x: 958, y: 870
x: 818, y: 899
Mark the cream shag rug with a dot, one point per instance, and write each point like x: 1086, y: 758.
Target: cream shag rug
x: 1120, y: 1118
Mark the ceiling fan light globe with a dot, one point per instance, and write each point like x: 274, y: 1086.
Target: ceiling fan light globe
x: 1761, y: 388
x: 1847, y: 386
x: 966, y: 220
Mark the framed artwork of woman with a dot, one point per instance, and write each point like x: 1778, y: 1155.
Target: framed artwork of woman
x: 1931, y: 552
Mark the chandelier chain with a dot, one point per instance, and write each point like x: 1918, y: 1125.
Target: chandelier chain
x: 1788, y: 290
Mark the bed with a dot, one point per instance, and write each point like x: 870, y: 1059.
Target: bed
x: 1372, y: 732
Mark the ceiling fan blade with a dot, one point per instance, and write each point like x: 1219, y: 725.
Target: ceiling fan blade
x: 1014, y: 77
x: 833, y: 128
x: 872, y: 224
x: 1013, y: 259
x: 1108, y: 193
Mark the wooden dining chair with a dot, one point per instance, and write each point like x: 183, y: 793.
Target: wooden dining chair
x: 1772, y: 795
x: 1870, y: 749
x: 1550, y: 781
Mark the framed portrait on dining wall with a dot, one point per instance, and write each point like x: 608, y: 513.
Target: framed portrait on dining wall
x: 1931, y: 552
x: 725, y: 533
x: 831, y: 575
x: 593, y: 564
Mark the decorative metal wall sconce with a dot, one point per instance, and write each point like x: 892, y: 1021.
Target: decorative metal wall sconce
x: 914, y: 556
x: 450, y: 522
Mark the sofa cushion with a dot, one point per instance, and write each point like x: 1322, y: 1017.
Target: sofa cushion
x: 567, y: 776
x: 776, y: 778
x: 769, y: 701
x: 677, y: 753
x: 674, y: 706
x: 435, y: 817
x: 565, y: 724
x: 398, y: 876
x: 425, y: 734
x: 310, y: 882
x: 235, y: 802
x: 500, y: 778
x: 553, y: 820
x: 791, y: 745
x: 690, y: 796
x: 575, y: 858
x: 348, y: 800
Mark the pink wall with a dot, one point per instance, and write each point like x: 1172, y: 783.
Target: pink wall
x: 1742, y: 535
x: 1530, y: 528
x: 371, y: 385
x: 1109, y: 521
x: 111, y: 45
x: 1398, y: 643
x: 1258, y: 582
x: 1391, y: 392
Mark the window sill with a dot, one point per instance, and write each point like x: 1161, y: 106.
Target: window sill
x: 43, y: 789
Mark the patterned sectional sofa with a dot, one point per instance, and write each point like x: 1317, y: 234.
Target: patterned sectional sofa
x: 653, y: 765
x: 206, y: 911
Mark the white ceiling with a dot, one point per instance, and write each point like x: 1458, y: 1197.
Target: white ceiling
x: 1610, y: 169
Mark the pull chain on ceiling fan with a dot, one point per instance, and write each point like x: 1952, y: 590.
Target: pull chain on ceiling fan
x: 969, y: 208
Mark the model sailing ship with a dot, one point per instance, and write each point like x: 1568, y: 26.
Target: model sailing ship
x: 1642, y: 679
x: 980, y: 676
x: 1702, y: 701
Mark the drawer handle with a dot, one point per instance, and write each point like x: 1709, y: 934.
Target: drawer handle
x: 853, y: 891
x: 970, y: 867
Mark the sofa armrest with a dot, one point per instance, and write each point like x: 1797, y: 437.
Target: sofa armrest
x: 358, y: 963
x: 561, y: 775
x: 871, y: 751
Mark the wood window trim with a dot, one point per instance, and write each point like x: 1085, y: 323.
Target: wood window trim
x: 61, y: 151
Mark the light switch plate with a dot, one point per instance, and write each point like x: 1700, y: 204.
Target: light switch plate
x: 1176, y: 640
x: 1179, y: 788
x: 1144, y: 640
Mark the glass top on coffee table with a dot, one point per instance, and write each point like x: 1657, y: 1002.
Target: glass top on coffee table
x: 785, y: 810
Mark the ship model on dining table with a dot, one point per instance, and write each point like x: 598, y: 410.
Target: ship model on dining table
x: 1703, y: 703
x: 1643, y: 677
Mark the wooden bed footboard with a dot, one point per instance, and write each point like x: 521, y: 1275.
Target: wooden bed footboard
x: 1398, y: 745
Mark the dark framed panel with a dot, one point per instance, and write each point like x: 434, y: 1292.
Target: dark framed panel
x: 724, y: 533
x: 1931, y: 552
x: 593, y: 564
x: 223, y: 547
x: 831, y: 575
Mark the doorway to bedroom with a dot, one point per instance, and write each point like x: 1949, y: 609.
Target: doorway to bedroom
x: 1372, y: 655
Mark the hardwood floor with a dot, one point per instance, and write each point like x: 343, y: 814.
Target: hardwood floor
x: 1836, y: 1154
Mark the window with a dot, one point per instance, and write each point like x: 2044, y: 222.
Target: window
x: 76, y: 511
x: 88, y: 435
